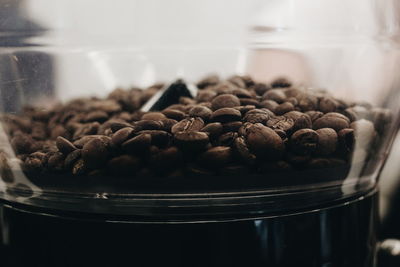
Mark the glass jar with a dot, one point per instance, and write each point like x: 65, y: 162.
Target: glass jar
x: 116, y: 150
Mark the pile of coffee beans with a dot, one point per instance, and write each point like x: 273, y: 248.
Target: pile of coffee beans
x: 234, y: 126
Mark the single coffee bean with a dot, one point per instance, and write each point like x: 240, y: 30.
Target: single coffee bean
x: 225, y: 101
x: 227, y: 139
x: 208, y: 81
x: 232, y: 126
x: 158, y: 138
x: 99, y: 116
x: 327, y: 104
x: 188, y: 125
x: 72, y: 158
x: 186, y: 100
x: 346, y: 140
x: 336, y: 123
x: 81, y: 142
x: 58, y: 130
x: 281, y: 83
x: 224, y: 88
x: 86, y: 129
x: 124, y: 165
x: 304, y: 141
x: 55, y: 161
x: 257, y: 116
x: 147, y: 125
x: 108, y: 106
x: 244, y: 109
x: 314, y: 115
x: 276, y: 95
x: 281, y: 123
x: 153, y: 116
x: 213, y: 129
x: 115, y: 126
x: 39, y: 131
x: 364, y: 132
x: 95, y: 153
x: 284, y: 108
x: 200, y: 111
x: 64, y: 146
x: 237, y: 81
x: 22, y: 144
x: 264, y: 142
x: 121, y: 136
x: 243, y: 152
x: 226, y: 115
x: 174, y: 114
x: 168, y: 124
x: 307, y: 102
x: 33, y: 164
x: 337, y: 115
x: 293, y: 100
x: 137, y: 144
x: 249, y: 101
x: 242, y: 93
x: 191, y: 141
x: 79, y: 167
x: 327, y: 141
x: 301, y: 120
x: 216, y: 157
x: 261, y: 88
x: 205, y: 96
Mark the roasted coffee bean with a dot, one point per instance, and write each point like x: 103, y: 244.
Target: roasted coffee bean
x: 81, y: 142
x: 334, y: 122
x: 281, y: 83
x: 115, y: 126
x: 281, y: 123
x: 216, y: 156
x: 225, y: 101
x: 301, y: 120
x: 86, y: 129
x: 158, y: 138
x: 98, y: 115
x: 237, y: 81
x: 261, y: 88
x: 249, y: 101
x: 108, y: 106
x: 147, y: 125
x: 327, y: 104
x: 188, y: 125
x: 314, y: 115
x: 293, y: 101
x: 264, y: 142
x: 205, y: 96
x: 304, y: 141
x: 307, y: 102
x: 191, y: 141
x: 276, y: 95
x: 124, y: 165
x: 200, y: 111
x: 72, y: 158
x: 79, y: 167
x: 58, y: 130
x: 242, y: 93
x: 327, y: 141
x: 186, y: 100
x: 364, y: 132
x: 168, y: 124
x: 257, y: 116
x: 39, y: 131
x: 6, y: 173
x: 346, y: 140
x: 213, y: 129
x: 153, y: 116
x: 282, y: 134
x: 64, y: 146
x: 337, y: 115
x: 208, y: 81
x: 244, y: 109
x: 33, y: 164
x: 137, y: 144
x: 121, y: 136
x: 243, y: 152
x: 284, y: 108
x: 174, y: 114
x: 227, y: 139
x: 226, y: 115
x: 224, y: 88
x: 96, y: 152
x: 232, y: 126
x: 22, y: 144
x: 55, y: 161
x: 275, y: 167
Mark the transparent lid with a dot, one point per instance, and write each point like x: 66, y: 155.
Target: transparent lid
x: 171, y: 111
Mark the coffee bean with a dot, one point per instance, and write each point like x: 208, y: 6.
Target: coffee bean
x: 137, y: 144
x: 281, y: 123
x: 276, y: 95
x: 307, y: 102
x: 225, y: 101
x: 314, y: 115
x: 327, y: 141
x: 72, y: 158
x: 213, y: 129
x: 244, y: 109
x: 284, y: 108
x: 86, y: 129
x: 334, y: 122
x: 242, y: 93
x: 269, y: 104
x: 95, y: 153
x: 81, y: 142
x: 147, y: 125
x: 327, y: 104
x: 249, y: 101
x: 208, y: 81
x: 232, y: 126
x: 264, y: 142
x: 188, y: 125
x: 153, y: 116
x: 191, y: 141
x: 243, y: 152
x: 337, y: 115
x: 174, y: 114
x: 186, y: 100
x: 168, y: 124
x: 200, y: 111
x: 301, y: 120
x: 205, y: 96
x: 115, y: 126
x: 121, y: 136
x: 33, y: 164
x: 64, y: 146
x: 216, y: 156
x: 237, y: 81
x: 304, y: 141
x: 226, y: 115
x: 55, y: 161
x: 39, y: 131
x: 257, y: 116
x: 224, y: 88
x: 124, y: 165
x: 281, y: 83
x: 58, y: 130
x: 346, y: 141
x: 261, y: 88
x: 79, y: 167
x: 99, y: 116
x: 158, y: 138
x: 227, y: 139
